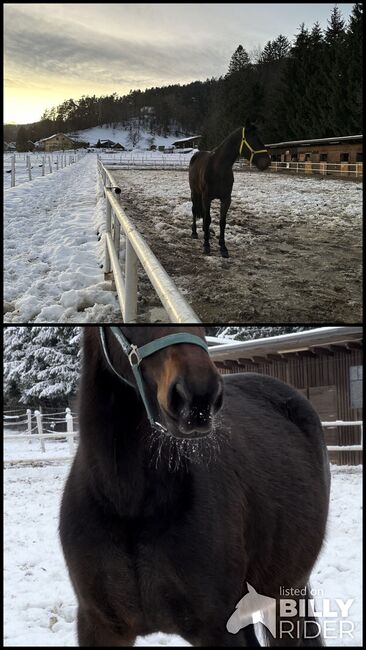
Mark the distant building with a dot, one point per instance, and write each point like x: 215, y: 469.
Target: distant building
x: 192, y: 141
x: 107, y: 143
x: 118, y: 145
x: 56, y: 142
x: 344, y: 149
x: 10, y: 146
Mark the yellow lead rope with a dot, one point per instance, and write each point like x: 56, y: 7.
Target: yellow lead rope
x: 253, y: 152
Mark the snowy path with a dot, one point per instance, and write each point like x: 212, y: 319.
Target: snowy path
x: 52, y: 257
x: 39, y: 601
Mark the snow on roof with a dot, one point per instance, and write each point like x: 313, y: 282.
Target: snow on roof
x: 191, y: 137
x: 318, y: 141
x: 53, y: 136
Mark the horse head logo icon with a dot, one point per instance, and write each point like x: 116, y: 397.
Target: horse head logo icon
x: 253, y: 608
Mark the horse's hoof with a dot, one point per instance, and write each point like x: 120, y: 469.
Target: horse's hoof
x: 224, y: 252
x: 194, y: 235
x: 207, y: 250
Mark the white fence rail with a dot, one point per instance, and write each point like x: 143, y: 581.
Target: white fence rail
x: 146, y: 160
x: 71, y: 436
x: 344, y: 423
x: 40, y: 426
x: 21, y: 165
x: 319, y: 168
x: 137, y: 250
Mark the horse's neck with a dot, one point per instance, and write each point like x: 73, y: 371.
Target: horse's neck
x: 123, y: 461
x: 228, y: 151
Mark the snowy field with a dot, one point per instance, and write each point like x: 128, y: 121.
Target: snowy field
x: 40, y: 605
x: 142, y: 139
x: 52, y: 254
x: 52, y: 160
x: 294, y: 244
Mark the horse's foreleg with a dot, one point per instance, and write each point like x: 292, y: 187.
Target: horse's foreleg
x: 225, y: 204
x: 206, y: 204
x: 195, y: 214
x: 94, y: 632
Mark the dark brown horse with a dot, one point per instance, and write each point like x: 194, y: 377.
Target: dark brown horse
x: 163, y: 527
x: 211, y: 177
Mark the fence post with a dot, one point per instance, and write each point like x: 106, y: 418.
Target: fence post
x: 29, y: 166
x: 38, y: 416
x: 13, y: 170
x: 29, y: 421
x: 131, y: 280
x: 108, y: 228
x: 70, y: 429
x: 50, y: 164
x: 43, y: 165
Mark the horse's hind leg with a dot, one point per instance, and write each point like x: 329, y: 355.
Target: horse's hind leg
x: 225, y: 204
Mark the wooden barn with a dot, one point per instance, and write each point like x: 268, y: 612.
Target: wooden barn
x: 325, y: 364
x: 345, y: 149
x: 185, y: 143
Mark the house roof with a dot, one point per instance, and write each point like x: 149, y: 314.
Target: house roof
x: 191, y: 137
x: 299, y: 143
x: 308, y: 340
x: 54, y: 135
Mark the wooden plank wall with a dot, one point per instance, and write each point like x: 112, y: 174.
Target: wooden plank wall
x: 306, y: 371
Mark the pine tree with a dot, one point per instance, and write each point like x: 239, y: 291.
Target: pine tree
x: 22, y: 139
x: 41, y: 365
x: 353, y: 55
x: 239, y: 60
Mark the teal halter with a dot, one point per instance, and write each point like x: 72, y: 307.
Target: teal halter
x: 136, y: 355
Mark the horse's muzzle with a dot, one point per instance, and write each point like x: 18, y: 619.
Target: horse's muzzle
x: 192, y: 408
x: 262, y: 162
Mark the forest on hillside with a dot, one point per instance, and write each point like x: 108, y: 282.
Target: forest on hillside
x: 308, y: 88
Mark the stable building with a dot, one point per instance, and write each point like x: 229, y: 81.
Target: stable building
x: 325, y: 364
x: 345, y: 149
x: 184, y: 143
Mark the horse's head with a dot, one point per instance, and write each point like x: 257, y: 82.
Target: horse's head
x: 183, y: 389
x: 252, y: 147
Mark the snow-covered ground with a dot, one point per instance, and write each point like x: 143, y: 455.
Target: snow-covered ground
x: 141, y: 139
x: 294, y: 244
x: 52, y: 253
x: 52, y: 160
x: 40, y: 606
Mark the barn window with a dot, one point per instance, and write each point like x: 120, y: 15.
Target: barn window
x: 307, y: 156
x: 355, y: 378
x: 323, y: 157
x: 344, y: 157
x: 359, y: 156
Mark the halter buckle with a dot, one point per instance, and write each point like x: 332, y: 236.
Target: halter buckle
x: 133, y: 356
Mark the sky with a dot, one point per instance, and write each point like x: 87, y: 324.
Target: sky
x: 54, y: 52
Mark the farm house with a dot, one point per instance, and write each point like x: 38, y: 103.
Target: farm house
x: 56, y: 142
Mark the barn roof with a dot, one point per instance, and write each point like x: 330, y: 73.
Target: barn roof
x: 308, y: 340
x: 300, y: 143
x: 191, y: 137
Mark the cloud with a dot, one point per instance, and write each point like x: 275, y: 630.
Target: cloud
x: 38, y: 47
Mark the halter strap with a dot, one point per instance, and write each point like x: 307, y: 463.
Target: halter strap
x: 136, y: 355
x: 245, y: 142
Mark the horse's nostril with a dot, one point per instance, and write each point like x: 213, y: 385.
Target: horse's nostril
x: 177, y: 397
x: 217, y: 405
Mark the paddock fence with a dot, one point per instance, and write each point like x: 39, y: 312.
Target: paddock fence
x: 24, y: 167
x: 180, y: 162
x: 31, y: 426
x: 136, y: 251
